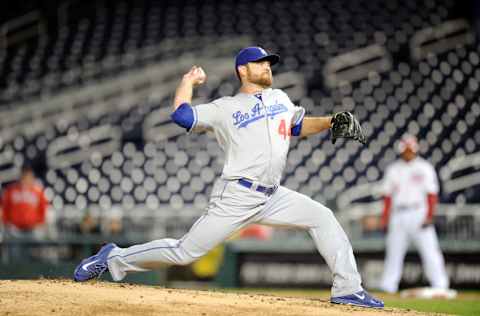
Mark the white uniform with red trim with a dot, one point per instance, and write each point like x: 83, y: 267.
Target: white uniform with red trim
x: 254, y: 132
x: 408, y: 184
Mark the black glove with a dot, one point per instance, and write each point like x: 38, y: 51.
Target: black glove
x: 345, y: 125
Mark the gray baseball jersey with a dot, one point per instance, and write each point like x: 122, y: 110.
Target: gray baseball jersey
x: 234, y: 120
x: 254, y: 131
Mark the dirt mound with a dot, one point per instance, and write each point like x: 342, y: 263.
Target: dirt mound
x: 63, y: 297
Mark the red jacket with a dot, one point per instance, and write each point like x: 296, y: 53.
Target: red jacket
x: 24, y: 207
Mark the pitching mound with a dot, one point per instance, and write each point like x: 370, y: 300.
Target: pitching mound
x: 62, y: 297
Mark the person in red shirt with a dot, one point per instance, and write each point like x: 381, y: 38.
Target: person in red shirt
x: 24, y: 210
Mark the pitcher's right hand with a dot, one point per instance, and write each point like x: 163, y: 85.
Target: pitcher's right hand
x: 195, y: 75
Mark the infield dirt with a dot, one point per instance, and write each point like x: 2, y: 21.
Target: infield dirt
x: 63, y: 297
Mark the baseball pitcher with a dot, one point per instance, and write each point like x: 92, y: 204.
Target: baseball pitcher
x: 253, y: 128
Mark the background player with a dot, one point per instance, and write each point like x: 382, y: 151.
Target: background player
x: 24, y: 212
x: 410, y: 188
x: 254, y: 129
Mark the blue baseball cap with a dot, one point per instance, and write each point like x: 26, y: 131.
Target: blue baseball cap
x: 252, y: 54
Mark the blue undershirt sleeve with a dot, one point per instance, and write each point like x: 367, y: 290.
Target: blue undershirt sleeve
x: 184, y: 116
x: 297, y: 129
x: 297, y: 121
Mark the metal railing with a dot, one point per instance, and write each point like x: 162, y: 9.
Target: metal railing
x: 441, y: 38
x: 22, y: 28
x: 455, y: 184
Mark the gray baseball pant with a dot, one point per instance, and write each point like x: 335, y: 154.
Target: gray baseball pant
x: 233, y: 207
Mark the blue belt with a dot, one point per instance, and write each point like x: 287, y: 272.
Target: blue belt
x: 260, y: 188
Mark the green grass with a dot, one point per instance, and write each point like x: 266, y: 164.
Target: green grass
x: 459, y: 306
x: 466, y: 304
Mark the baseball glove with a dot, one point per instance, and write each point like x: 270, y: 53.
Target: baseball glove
x: 345, y: 125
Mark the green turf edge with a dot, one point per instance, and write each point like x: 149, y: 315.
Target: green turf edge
x: 454, y: 307
x: 467, y: 304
